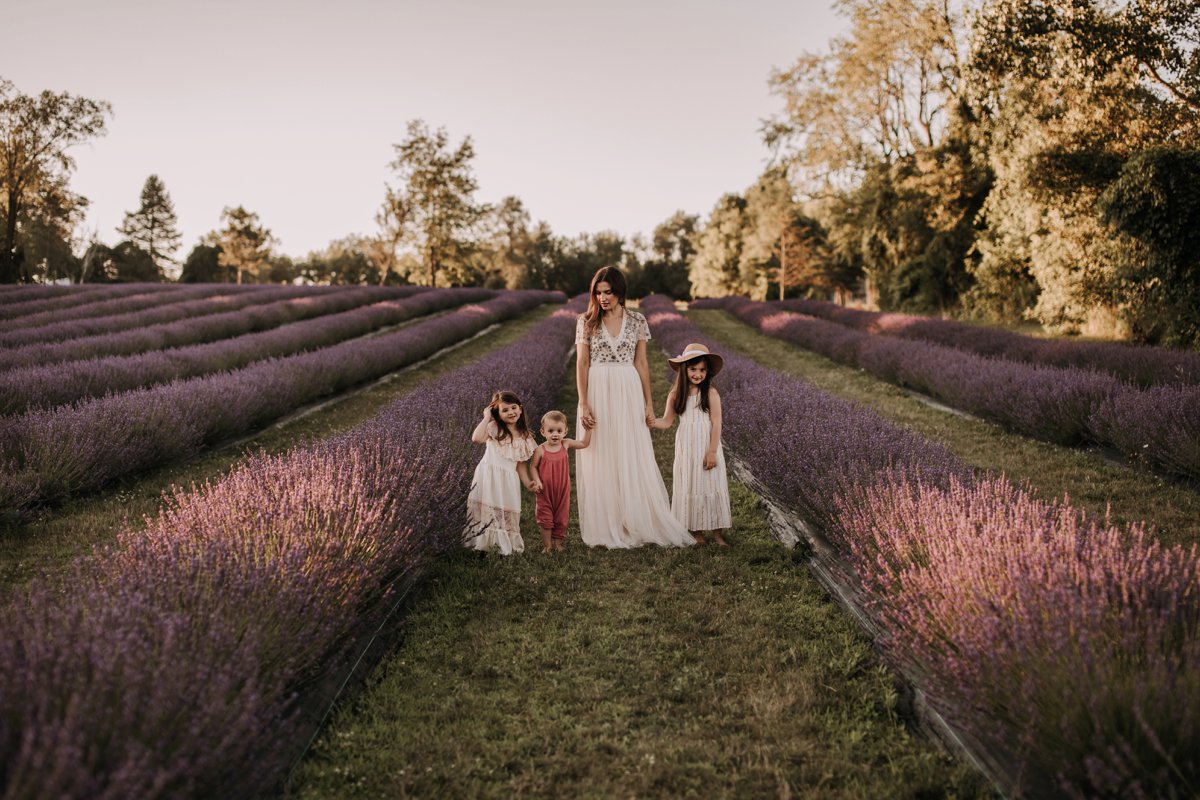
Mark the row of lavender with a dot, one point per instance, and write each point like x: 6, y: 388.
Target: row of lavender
x: 46, y: 455
x: 1058, y: 640
x: 175, y: 665
x: 125, y: 304
x: 55, y: 384
x: 22, y: 300
x: 1159, y: 426
x: 1140, y: 364
x: 186, y: 322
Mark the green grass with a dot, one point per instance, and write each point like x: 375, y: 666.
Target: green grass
x: 49, y: 541
x: 1129, y: 494
x: 701, y: 672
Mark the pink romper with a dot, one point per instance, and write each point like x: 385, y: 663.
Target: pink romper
x: 553, y: 503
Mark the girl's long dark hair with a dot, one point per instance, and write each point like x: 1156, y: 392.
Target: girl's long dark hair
x: 616, y: 280
x: 682, y: 384
x: 505, y: 396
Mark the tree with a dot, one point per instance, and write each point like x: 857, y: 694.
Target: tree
x: 153, y: 227
x: 203, y: 265
x: 35, y: 134
x: 713, y: 270
x: 672, y: 248
x: 345, y: 262
x: 245, y: 244
x: 436, y: 198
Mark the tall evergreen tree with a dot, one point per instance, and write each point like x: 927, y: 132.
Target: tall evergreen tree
x: 153, y: 227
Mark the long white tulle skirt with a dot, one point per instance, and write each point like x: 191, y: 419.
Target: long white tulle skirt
x: 622, y: 499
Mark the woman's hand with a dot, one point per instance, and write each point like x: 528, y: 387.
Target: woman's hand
x: 710, y: 459
x: 587, y: 417
x: 650, y: 418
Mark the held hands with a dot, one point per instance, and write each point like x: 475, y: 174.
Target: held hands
x: 650, y: 418
x: 710, y: 459
x: 534, y: 486
x: 587, y: 417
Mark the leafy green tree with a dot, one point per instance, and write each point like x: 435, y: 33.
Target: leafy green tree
x: 344, y: 262
x: 435, y: 199
x: 203, y: 265
x: 714, y: 268
x: 245, y: 244
x: 35, y: 134
x: 1155, y: 201
x: 154, y: 226
x: 672, y: 249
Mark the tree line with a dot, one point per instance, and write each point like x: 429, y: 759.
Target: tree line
x: 990, y: 159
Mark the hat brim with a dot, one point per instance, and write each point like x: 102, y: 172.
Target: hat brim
x: 715, y: 362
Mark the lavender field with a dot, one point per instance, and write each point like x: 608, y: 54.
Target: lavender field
x: 183, y: 659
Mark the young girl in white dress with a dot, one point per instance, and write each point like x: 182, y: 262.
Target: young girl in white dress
x: 622, y: 499
x: 494, y: 504
x: 700, y: 497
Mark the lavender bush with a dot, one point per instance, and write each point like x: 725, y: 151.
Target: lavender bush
x: 195, y: 322
x: 172, y: 668
x: 56, y: 384
x: 1055, y: 638
x: 1065, y: 406
x: 1140, y: 364
x: 48, y: 454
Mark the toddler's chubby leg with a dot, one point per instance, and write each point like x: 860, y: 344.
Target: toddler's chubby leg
x: 545, y: 521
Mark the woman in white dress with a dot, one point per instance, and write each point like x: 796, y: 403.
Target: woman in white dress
x: 622, y: 499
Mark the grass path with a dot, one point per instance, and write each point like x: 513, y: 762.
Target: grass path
x: 1132, y: 495
x: 653, y: 673
x: 52, y: 539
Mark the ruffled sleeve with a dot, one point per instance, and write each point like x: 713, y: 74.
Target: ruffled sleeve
x: 581, y: 330
x: 641, y: 328
x: 517, y: 449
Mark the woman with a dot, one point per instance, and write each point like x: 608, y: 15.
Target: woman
x: 622, y: 499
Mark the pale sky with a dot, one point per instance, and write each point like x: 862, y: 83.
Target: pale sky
x: 600, y: 116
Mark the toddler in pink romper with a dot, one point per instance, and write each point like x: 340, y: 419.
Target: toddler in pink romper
x: 550, y: 470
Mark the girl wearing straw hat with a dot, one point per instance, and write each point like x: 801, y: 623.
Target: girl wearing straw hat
x: 700, y: 496
x: 622, y: 499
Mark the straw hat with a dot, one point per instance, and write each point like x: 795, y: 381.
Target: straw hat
x: 695, y: 350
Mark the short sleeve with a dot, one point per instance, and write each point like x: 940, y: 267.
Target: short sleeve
x: 580, y: 331
x: 642, y: 332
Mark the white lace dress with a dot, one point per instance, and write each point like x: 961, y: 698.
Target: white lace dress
x: 700, y: 497
x: 494, y: 504
x: 622, y: 499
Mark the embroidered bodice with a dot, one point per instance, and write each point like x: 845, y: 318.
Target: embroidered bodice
x: 604, y: 348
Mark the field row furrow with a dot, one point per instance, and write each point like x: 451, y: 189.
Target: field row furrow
x: 177, y: 662
x: 1046, y: 635
x: 46, y: 455
x: 195, y: 322
x: 57, y: 384
x: 1143, y: 365
x: 1158, y: 426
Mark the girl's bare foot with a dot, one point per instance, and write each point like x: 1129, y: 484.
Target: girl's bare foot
x: 699, y: 538
x: 546, y: 550
x: 559, y: 546
x: 720, y: 540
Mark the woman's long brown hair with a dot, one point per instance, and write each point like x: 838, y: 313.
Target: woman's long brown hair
x: 616, y: 280
x: 505, y: 396
x: 682, y: 384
